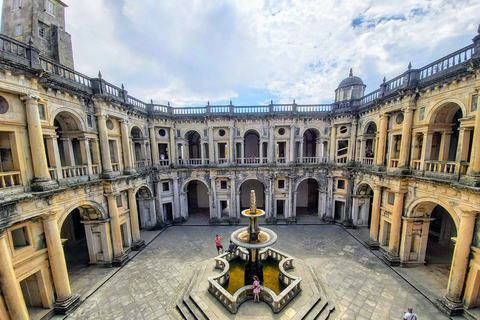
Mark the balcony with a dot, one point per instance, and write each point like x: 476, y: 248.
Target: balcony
x: 250, y: 161
x: 367, y: 161
x: 95, y: 169
x: 282, y: 160
x: 10, y: 179
x: 342, y: 159
x: 394, y: 163
x: 164, y: 163
x: 445, y: 167
x: 142, y: 164
x: 74, y: 171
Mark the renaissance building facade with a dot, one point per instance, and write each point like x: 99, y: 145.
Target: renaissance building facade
x: 84, y: 165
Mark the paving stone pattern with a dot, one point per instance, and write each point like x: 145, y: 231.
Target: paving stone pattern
x: 359, y: 283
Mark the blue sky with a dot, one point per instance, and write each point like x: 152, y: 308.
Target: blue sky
x: 189, y: 52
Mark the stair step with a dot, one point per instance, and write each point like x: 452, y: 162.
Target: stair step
x: 316, y: 310
x: 185, y: 312
x: 197, y: 312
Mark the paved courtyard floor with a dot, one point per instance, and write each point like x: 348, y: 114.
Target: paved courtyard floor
x: 360, y: 285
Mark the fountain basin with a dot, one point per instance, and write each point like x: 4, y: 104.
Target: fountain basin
x: 266, y: 238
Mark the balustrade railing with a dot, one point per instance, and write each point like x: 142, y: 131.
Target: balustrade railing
x: 164, y: 163
x: 193, y: 162
x: 13, y: 47
x: 53, y: 173
x: 447, y: 62
x: 308, y: 160
x: 95, y: 169
x: 394, y: 163
x: 222, y: 160
x: 416, y: 165
x: 464, y: 167
x: 115, y: 166
x: 10, y: 179
x: 141, y: 164
x: 281, y: 160
x: 342, y: 159
x: 447, y: 167
x: 250, y: 160
x: 367, y: 161
x: 74, y: 171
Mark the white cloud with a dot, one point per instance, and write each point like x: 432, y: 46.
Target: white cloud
x: 192, y: 51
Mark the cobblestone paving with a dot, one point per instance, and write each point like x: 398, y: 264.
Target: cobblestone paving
x: 360, y: 285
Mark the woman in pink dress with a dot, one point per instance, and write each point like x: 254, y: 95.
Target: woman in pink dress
x: 256, y: 289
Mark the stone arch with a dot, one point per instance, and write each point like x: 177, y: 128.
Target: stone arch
x: 360, y: 185
x: 186, y: 182
x: 146, y: 186
x: 261, y: 199
x: 255, y: 130
x: 422, y: 207
x: 262, y: 181
x: 85, y: 205
x: 316, y: 130
x: 73, y: 114
x: 136, y: 129
x: 367, y: 125
x: 185, y: 135
x: 444, y: 111
x: 306, y: 178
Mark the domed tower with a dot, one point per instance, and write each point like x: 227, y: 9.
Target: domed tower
x: 350, y: 88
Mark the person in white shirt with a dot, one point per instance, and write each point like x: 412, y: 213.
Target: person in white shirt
x: 410, y: 315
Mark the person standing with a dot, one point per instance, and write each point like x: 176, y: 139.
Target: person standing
x: 256, y: 289
x: 410, y: 315
x: 218, y: 243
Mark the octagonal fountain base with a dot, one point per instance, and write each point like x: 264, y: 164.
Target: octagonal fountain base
x: 203, y: 299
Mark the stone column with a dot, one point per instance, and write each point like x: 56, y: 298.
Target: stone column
x: 11, y: 290
x: 333, y: 143
x: 85, y: 151
x: 138, y: 243
x: 474, y: 167
x: 353, y: 139
x: 172, y: 148
x: 42, y: 180
x: 66, y: 301
x: 68, y: 151
x: 231, y: 144
x: 394, y: 242
x: 153, y: 142
x: 233, y: 205
x: 271, y: 141
x: 445, y: 146
x: 176, y: 200
x: 460, y: 259
x: 301, y: 152
x: 211, y: 153
x: 375, y: 220
x: 107, y: 171
x: 382, y: 142
x: 54, y: 155
x: 127, y: 153
x: 291, y: 158
x: 406, y: 139
x: 214, y: 214
x: 119, y: 257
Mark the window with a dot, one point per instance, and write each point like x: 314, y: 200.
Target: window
x: 391, y: 198
x: 119, y: 201
x: 223, y: 184
x: 89, y: 120
x: 109, y: 124
x: 49, y: 7
x: 41, y: 111
x: 41, y: 32
x: 474, y: 102
x: 340, y: 184
x: 221, y: 132
x: 343, y: 129
x: 16, y: 5
x: 3, y: 105
x: 20, y: 238
x: 162, y: 132
x: 18, y: 30
x: 165, y: 186
x: 281, y: 131
x: 399, y: 118
x: 281, y: 184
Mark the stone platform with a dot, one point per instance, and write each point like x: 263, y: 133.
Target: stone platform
x: 195, y: 302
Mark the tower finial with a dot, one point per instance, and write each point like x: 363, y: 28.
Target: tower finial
x: 99, y: 74
x: 409, y: 65
x: 478, y: 30
x: 384, y: 79
x: 351, y: 72
x: 151, y: 101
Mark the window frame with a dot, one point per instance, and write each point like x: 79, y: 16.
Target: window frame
x: 17, y: 27
x: 49, y: 7
x: 41, y: 32
x: 29, y: 239
x: 16, y: 7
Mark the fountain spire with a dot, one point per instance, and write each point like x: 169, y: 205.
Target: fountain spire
x: 253, y: 202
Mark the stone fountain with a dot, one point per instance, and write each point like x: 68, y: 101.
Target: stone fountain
x: 253, y: 238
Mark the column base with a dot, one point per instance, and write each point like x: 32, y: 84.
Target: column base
x: 215, y: 221
x: 129, y: 171
x: 348, y: 223
x: 402, y: 170
x: 120, y: 260
x: 43, y: 185
x: 328, y: 219
x: 67, y: 304
x: 138, y: 246
x: 271, y: 220
x: 378, y: 167
x: 372, y: 244
x: 109, y: 175
x: 291, y: 220
x: 391, y: 260
x: 449, y: 307
x: 472, y: 180
x: 233, y: 221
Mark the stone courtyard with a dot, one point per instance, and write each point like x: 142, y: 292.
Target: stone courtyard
x: 358, y: 283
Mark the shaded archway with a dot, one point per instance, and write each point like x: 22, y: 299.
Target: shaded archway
x: 362, y: 205
x: 307, y: 198
x: 138, y: 148
x: 194, y: 151
x: 198, y: 199
x: 146, y: 208
x: 251, y: 147
x: 440, y: 245
x: 74, y: 242
x: 245, y: 190
x: 310, y: 143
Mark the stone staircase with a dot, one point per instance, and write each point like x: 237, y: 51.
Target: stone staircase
x: 195, y: 302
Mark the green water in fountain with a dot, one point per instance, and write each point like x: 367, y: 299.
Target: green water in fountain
x: 270, y: 276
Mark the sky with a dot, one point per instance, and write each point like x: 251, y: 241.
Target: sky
x: 188, y: 52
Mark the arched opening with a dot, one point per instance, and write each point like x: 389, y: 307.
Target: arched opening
x: 367, y: 152
x: 307, y: 198
x: 198, y: 199
x: 71, y: 149
x: 245, y: 190
x: 75, y: 242
x: 138, y: 148
x: 146, y: 208
x: 309, y: 144
x: 362, y: 206
x: 440, y: 244
x: 194, y: 151
x: 251, y: 147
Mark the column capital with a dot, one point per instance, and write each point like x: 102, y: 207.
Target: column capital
x: 48, y: 216
x: 103, y: 116
x: 30, y: 96
x: 408, y: 108
x: 468, y: 213
x: 123, y: 120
